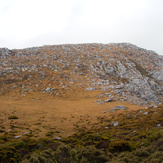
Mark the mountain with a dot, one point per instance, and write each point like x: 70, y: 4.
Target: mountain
x: 117, y: 71
x: 81, y: 103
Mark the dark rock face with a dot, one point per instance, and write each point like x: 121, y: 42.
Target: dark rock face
x: 122, y: 70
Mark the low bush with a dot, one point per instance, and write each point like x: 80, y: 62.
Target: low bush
x: 119, y: 146
x: 135, y: 140
x: 12, y: 117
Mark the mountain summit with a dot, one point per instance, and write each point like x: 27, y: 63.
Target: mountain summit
x: 117, y: 71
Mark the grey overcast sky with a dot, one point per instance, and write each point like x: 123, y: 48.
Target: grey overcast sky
x: 28, y: 23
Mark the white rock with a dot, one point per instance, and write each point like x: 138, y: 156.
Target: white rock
x: 145, y: 113
x: 116, y: 123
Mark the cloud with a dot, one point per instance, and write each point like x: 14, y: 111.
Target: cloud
x: 28, y: 19
x: 39, y: 22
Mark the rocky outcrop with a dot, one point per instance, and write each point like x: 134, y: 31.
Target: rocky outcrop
x: 124, y: 71
x: 4, y: 53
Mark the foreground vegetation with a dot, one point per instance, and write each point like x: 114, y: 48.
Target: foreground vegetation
x: 136, y: 137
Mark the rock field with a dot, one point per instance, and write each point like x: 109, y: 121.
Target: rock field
x: 118, y: 71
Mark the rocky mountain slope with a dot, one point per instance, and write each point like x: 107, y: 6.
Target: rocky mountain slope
x: 117, y: 71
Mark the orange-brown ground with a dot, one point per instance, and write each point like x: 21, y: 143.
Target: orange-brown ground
x: 45, y: 115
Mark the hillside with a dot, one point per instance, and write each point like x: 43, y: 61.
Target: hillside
x: 121, y: 71
x: 86, y: 96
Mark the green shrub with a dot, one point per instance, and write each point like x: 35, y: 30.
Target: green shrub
x: 62, y: 154
x: 119, y: 146
x: 156, y: 157
x: 25, y: 161
x: 154, y: 136
x: 92, y: 154
x: 9, y: 154
x: 34, y: 159
x: 141, y: 153
x: 12, y: 117
x: 49, y: 134
x: 45, y: 156
x: 74, y: 156
x: 83, y: 160
x: 4, y: 138
x: 126, y: 158
x: 1, y: 131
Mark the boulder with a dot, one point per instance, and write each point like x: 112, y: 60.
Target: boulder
x: 108, y: 100
x: 119, y: 107
x: 90, y: 89
x: 115, y: 124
